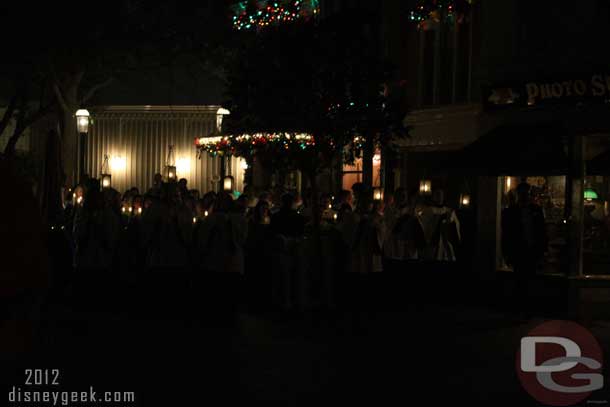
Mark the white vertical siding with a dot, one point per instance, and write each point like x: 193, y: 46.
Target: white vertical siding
x: 140, y: 139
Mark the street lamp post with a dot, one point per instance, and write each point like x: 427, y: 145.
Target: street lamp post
x: 83, y: 120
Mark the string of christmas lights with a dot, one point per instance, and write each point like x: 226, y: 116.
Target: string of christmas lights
x: 245, y: 144
x: 258, y: 14
x: 439, y: 10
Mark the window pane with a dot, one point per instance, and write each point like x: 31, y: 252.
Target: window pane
x: 596, y: 256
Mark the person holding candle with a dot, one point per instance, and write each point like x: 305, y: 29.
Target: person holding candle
x: 96, y: 236
x: 78, y: 195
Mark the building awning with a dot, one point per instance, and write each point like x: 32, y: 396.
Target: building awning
x: 600, y: 164
x: 514, y: 150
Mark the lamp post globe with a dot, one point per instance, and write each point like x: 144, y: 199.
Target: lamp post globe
x: 83, y: 119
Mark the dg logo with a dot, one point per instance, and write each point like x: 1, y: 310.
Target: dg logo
x: 559, y: 363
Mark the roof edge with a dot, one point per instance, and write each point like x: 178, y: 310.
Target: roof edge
x: 156, y: 109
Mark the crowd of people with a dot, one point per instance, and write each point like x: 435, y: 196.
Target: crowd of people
x: 174, y: 229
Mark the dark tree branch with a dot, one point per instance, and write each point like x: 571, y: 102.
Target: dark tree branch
x: 23, y: 122
x: 96, y: 88
x: 59, y: 96
x: 8, y: 113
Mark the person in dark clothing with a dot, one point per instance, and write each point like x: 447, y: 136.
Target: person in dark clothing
x: 524, y: 240
x: 346, y: 197
x: 258, y: 258
x: 287, y: 221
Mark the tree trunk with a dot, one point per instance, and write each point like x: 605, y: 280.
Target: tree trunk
x: 69, y: 133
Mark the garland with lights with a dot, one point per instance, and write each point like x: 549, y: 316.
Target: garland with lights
x: 439, y: 10
x: 258, y: 14
x: 246, y: 145
x: 287, y: 147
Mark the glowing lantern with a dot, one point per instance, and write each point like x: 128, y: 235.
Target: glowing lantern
x: 464, y: 200
x: 82, y: 121
x: 377, y: 193
x: 106, y: 177
x: 170, y: 164
x: 227, y: 183
x: 219, y: 116
x: 590, y: 195
x: 425, y: 187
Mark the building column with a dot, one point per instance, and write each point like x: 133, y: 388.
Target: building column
x: 575, y: 204
x: 488, y: 230
x: 367, y: 165
x: 388, y: 164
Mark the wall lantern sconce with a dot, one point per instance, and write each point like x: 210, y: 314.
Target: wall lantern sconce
x: 170, y: 164
x: 228, y: 183
x: 105, y: 173
x: 425, y: 187
x: 378, y: 193
x: 465, y: 201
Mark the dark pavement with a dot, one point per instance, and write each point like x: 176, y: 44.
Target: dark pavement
x: 421, y: 353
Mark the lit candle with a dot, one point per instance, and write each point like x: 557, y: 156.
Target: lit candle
x: 206, y: 213
x: 465, y: 200
x: 123, y: 209
x: 139, y: 211
x: 335, y: 216
x: 330, y: 206
x: 194, y: 220
x: 79, y: 200
x: 130, y: 209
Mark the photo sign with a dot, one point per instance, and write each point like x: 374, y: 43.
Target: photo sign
x: 592, y: 89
